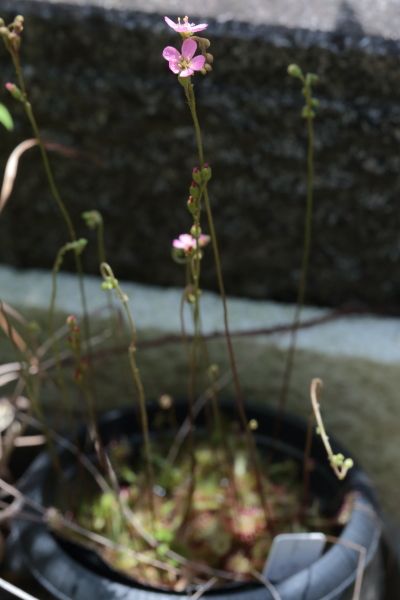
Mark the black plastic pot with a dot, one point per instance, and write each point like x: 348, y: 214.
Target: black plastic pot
x: 71, y: 574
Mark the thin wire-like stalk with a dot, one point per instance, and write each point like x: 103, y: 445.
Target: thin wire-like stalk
x: 52, y: 184
x: 307, y: 239
x: 190, y: 96
x: 108, y: 276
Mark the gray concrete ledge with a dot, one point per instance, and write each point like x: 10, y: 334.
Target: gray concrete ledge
x: 369, y: 17
x: 367, y: 337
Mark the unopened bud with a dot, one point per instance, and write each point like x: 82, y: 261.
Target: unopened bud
x: 203, y: 42
x: 295, y: 71
x: 192, y: 205
x: 71, y: 321
x: 194, y: 190
x: 207, y: 68
x: 14, y: 91
x: 196, y: 174
x: 14, y: 40
x: 209, y: 58
x: 79, y: 245
x: 195, y: 231
x: 206, y: 173
x: 307, y: 113
x: 311, y: 79
x: 92, y: 218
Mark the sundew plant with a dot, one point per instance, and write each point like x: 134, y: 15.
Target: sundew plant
x: 193, y: 504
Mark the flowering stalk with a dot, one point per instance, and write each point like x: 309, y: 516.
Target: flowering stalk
x: 81, y: 380
x: 111, y: 283
x: 76, y: 247
x: 308, y: 113
x: 185, y: 64
x: 190, y: 96
x: 190, y: 246
x: 338, y: 462
x: 94, y: 221
x: 12, y: 39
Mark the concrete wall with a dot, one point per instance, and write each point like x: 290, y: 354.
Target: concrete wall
x: 98, y: 83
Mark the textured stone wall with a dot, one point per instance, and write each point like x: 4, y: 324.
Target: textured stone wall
x: 98, y: 84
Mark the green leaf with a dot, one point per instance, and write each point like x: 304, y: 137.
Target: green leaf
x: 5, y: 118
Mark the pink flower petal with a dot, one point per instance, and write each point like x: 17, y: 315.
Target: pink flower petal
x: 197, y: 63
x: 204, y: 240
x: 171, y: 54
x: 189, y: 47
x: 185, y: 242
x: 170, y: 23
x: 174, y: 66
x: 186, y: 73
x: 199, y: 27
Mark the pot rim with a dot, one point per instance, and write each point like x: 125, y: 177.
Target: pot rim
x: 59, y: 572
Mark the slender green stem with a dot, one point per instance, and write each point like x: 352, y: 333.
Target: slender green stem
x: 190, y: 96
x: 52, y: 185
x: 192, y: 384
x: 109, y: 277
x: 288, y: 368
x: 101, y: 247
x: 101, y: 250
x: 55, y: 345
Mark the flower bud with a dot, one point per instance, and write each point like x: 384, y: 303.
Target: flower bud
x: 195, y: 231
x: 206, y: 173
x: 203, y: 43
x: 209, y: 58
x: 92, y: 218
x: 71, y: 321
x: 307, y: 113
x: 196, y: 174
x: 192, y: 205
x: 78, y: 246
x: 14, y: 91
x: 109, y: 283
x: 194, y: 190
x: 295, y: 71
x: 311, y: 79
x: 14, y: 40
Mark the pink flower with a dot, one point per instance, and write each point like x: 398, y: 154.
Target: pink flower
x: 187, y: 242
x: 185, y: 27
x: 184, y: 64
